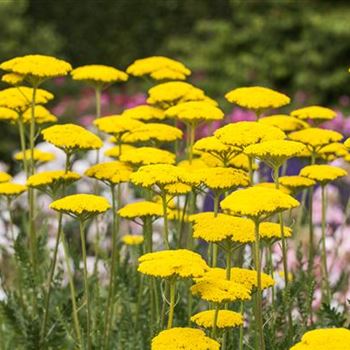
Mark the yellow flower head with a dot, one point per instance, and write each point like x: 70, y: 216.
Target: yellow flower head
x: 213, y: 228
x: 194, y: 112
x: 226, y: 319
x: 296, y: 183
x: 177, y: 189
x: 243, y: 134
x: 195, y: 165
x: 322, y: 173
x: 5, y: 177
x: 116, y: 125
x: 159, y: 68
x: 117, y: 151
x: 82, y: 206
x: 332, y: 151
x: 315, y: 138
x: 273, y: 185
x: 7, y: 114
x: 110, y: 173
x: 71, y: 137
x: 145, y: 113
x: 153, y: 132
x: 224, y: 178
x: 183, y: 338
x: 37, y: 66
x: 271, y: 230
x: 41, y: 116
x: 19, y: 98
x: 132, y: 239
x: 53, y: 179
x: 141, y: 210
x: 220, y: 290
x: 147, y: 155
x: 275, y: 153
x: 11, y: 190
x: 284, y: 122
x: 171, y: 93
x: 255, y: 202
x: 257, y: 98
x: 38, y: 156
x: 324, y: 339
x: 98, y: 74
x: 316, y: 113
x: 246, y: 277
x: 12, y: 78
x: 180, y: 263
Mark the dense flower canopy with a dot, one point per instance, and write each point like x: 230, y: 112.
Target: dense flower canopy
x: 284, y: 122
x: 323, y: 173
x: 70, y: 137
x: 266, y: 202
x: 314, y: 113
x: 183, y: 338
x: 180, y: 263
x: 110, y: 172
x: 38, y: 66
x: 144, y: 112
x: 97, y: 73
x: 257, y: 98
x: 226, y: 319
x: 141, y: 209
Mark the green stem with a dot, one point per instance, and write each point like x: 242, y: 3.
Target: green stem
x: 23, y: 143
x: 98, y: 102
x: 172, y: 302
x: 86, y: 285
x: 192, y: 130
x: 311, y: 225
x: 326, y: 288
x: 228, y: 262
x: 241, y: 328
x: 165, y: 215
x: 251, y: 171
x: 147, y: 233
x: 215, y: 321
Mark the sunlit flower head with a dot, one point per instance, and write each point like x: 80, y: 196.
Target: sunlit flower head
x: 11, y: 190
x: 132, y: 240
x: 12, y: 78
x: 296, y: 183
x: 41, y: 115
x: 224, y: 178
x: 226, y: 319
x: 257, y: 98
x: 195, y: 112
x: 5, y: 177
x: 71, y: 137
x: 144, y: 113
x: 284, y: 122
x: 39, y: 156
x: 332, y: 151
x: 323, y: 173
x: 256, y: 202
x: 111, y: 173
x: 273, y: 185
x: 141, y: 210
x: 177, y: 189
x: 159, y: 68
x: 315, y: 113
x: 243, y: 134
x: 82, y: 206
x: 180, y: 263
x: 183, y: 338
x: 7, y: 114
x: 117, y: 151
x: 147, y: 155
x: 98, y: 75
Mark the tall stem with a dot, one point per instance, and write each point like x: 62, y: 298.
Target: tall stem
x: 165, y: 215
x: 23, y: 142
x: 215, y: 246
x: 228, y: 262
x: 215, y: 320
x: 251, y: 170
x: 192, y: 130
x: 326, y: 288
x: 172, y: 302
x: 86, y: 285
x: 311, y: 225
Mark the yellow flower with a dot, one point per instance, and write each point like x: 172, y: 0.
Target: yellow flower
x: 180, y: 263
x: 41, y: 115
x: 284, y: 122
x: 110, y: 172
x: 53, y: 179
x: 38, y: 66
x: 296, y: 183
x: 147, y: 155
x: 347, y: 143
x: 273, y: 185
x: 4, y: 177
x: 159, y: 68
x: 224, y: 178
x: 332, y: 151
x: 243, y: 134
x: 257, y: 98
x: 315, y: 138
x: 38, y: 156
x: 220, y: 290
x: 145, y: 113
x: 82, y: 206
x: 322, y: 173
x: 19, y: 98
x: 153, y: 132
x: 117, y: 151
x: 324, y: 339
x: 70, y: 137
x: 10, y: 189
x: 183, y: 339
x: 271, y: 230
x: 246, y: 277
x: 275, y: 153
x: 8, y: 114
x: 316, y: 113
x: 194, y: 112
x: 132, y: 239
x: 116, y: 125
x: 168, y: 94
x: 255, y: 202
x: 12, y: 78
x: 177, y: 189
x: 140, y: 210
x: 195, y: 165
x: 98, y: 74
x: 226, y: 319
